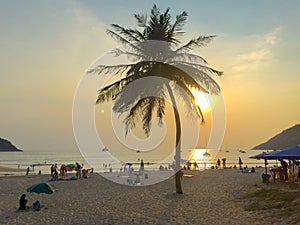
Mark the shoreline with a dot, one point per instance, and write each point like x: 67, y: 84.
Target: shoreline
x: 4, y: 169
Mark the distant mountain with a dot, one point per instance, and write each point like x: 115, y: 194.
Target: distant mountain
x: 7, y: 146
x: 286, y: 139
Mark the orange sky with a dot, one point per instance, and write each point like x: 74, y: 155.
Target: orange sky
x: 47, y: 47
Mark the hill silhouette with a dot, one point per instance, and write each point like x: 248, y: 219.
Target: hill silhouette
x: 286, y: 139
x: 7, y: 146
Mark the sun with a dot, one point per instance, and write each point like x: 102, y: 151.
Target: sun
x: 203, y: 100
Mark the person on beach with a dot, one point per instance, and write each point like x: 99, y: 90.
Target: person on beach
x: 55, y: 176
x: 63, y: 170
x: 224, y: 163
x: 23, y: 202
x: 84, y: 173
x: 52, y: 169
x: 27, y: 171
x: 218, y: 163
x: 78, y: 171
x: 36, y: 205
x: 298, y: 175
x: 142, y: 168
x: 284, y: 169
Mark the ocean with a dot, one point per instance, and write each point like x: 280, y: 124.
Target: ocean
x: 42, y: 160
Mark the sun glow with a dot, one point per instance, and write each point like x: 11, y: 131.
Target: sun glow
x: 203, y: 100
x: 200, y: 156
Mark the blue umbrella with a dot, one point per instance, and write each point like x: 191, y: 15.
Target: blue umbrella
x: 290, y: 154
x: 262, y: 156
x: 259, y: 156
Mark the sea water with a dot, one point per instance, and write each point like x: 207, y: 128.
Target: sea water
x: 43, y: 159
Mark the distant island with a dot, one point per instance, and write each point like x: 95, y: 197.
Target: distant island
x: 7, y: 146
x: 286, y: 139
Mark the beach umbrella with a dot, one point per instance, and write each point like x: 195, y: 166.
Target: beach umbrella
x: 41, y: 188
x: 261, y: 156
x: 70, y: 167
x: 290, y: 154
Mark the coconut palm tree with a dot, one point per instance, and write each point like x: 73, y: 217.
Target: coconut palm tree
x: 156, y: 51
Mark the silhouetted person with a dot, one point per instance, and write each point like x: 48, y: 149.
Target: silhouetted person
x: 27, y: 171
x: 224, y: 162
x: 284, y: 169
x: 219, y: 163
x: 23, y: 202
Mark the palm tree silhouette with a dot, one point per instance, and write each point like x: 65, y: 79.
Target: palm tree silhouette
x: 156, y: 51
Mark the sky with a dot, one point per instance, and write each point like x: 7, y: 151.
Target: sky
x: 46, y: 46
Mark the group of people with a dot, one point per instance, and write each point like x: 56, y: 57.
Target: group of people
x: 245, y: 169
x: 80, y: 172
x: 218, y: 164
x: 283, y: 171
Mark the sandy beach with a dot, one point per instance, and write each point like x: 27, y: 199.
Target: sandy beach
x: 210, y: 197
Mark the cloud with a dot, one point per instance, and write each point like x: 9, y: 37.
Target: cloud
x: 259, y: 52
x: 252, y: 60
x: 272, y: 37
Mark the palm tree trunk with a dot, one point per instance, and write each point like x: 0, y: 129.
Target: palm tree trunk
x: 178, y: 172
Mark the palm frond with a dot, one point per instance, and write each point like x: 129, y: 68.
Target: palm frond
x: 135, y: 114
x: 129, y: 96
x: 189, y: 100
x: 121, y: 39
x: 128, y: 33
x: 148, y: 110
x: 160, y: 109
x: 141, y: 20
x: 198, y: 42
x: 206, y: 69
x: 111, y: 91
x: 201, y: 77
x: 131, y: 55
x: 106, y: 69
x: 179, y: 22
x: 176, y: 74
x: 143, y: 109
x: 182, y: 56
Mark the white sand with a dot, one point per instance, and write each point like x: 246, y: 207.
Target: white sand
x: 210, y: 197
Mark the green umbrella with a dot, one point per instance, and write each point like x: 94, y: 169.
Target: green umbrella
x: 70, y: 165
x: 41, y: 188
